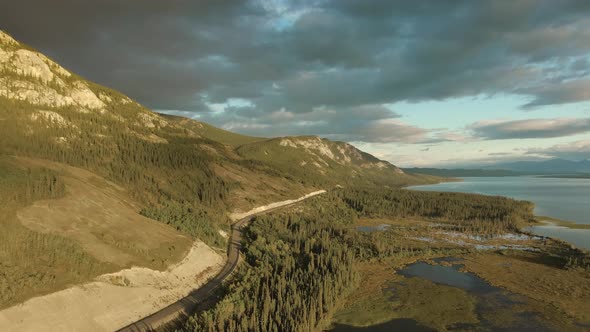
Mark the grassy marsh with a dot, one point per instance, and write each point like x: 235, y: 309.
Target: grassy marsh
x: 540, y: 281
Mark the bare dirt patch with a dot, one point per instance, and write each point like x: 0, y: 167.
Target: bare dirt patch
x: 237, y: 215
x: 114, y: 300
x: 102, y: 218
x: 256, y: 187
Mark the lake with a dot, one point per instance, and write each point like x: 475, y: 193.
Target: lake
x: 489, y: 302
x: 566, y: 199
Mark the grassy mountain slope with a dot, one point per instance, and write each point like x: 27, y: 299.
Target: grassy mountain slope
x: 316, y: 161
x: 181, y: 172
x: 213, y: 133
x: 62, y: 225
x: 48, y: 112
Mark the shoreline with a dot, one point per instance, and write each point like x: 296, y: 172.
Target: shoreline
x: 545, y: 226
x: 559, y: 223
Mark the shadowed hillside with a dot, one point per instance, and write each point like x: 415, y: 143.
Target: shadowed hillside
x: 183, y: 173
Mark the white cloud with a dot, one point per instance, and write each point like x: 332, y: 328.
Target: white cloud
x: 530, y: 128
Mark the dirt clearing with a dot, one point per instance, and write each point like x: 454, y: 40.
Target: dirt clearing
x: 101, y: 217
x: 114, y: 300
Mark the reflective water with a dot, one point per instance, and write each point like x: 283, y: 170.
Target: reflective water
x: 402, y: 324
x: 376, y: 228
x: 447, y: 275
x: 490, y: 299
x: 566, y: 199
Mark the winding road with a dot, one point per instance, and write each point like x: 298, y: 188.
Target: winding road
x: 190, y: 303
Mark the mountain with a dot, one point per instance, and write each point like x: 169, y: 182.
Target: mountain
x: 462, y: 172
x: 551, y: 166
x: 574, y: 169
x: 213, y: 133
x: 51, y: 113
x: 103, y: 183
x: 545, y: 167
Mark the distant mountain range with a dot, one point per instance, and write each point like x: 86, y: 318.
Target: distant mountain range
x: 460, y: 172
x: 551, y: 166
x: 576, y: 169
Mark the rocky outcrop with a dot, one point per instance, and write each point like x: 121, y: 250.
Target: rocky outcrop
x: 83, y: 96
x: 52, y: 117
x: 322, y: 150
x: 5, y: 39
x: 32, y: 77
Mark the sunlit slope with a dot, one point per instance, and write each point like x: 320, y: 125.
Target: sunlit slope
x: 56, y: 125
x: 210, y: 132
x: 63, y: 225
x: 317, y: 161
x: 48, y: 112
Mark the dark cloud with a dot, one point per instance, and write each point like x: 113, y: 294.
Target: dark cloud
x: 559, y: 93
x: 162, y: 53
x: 364, y: 123
x: 530, y: 128
x: 300, y: 59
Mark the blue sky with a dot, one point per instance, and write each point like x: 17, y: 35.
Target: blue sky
x: 418, y: 83
x: 457, y: 114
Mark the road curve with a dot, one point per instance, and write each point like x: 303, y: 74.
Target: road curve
x: 187, y: 305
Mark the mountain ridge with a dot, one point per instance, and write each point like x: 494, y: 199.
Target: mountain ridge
x: 62, y: 101
x: 46, y: 111
x: 551, y: 166
x: 184, y: 175
x: 555, y: 166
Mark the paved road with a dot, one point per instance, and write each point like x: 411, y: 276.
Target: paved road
x: 189, y: 304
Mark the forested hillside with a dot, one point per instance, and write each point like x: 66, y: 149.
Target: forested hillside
x: 298, y: 268
x: 30, y: 262
x: 180, y: 172
x: 299, y: 263
x: 48, y: 112
x: 321, y: 162
x: 477, y: 213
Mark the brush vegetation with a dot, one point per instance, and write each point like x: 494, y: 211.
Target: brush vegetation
x: 298, y: 266
x: 289, y: 253
x: 33, y: 263
x: 469, y: 212
x: 181, y: 172
x: 299, y: 263
x: 193, y: 220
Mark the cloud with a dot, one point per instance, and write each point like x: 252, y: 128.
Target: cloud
x: 388, y: 131
x: 531, y: 128
x: 578, y: 150
x: 559, y: 93
x: 308, y: 59
x: 364, y: 123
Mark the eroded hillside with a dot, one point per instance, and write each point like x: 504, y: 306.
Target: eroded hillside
x: 183, y: 173
x: 52, y: 113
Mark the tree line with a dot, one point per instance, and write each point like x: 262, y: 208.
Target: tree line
x: 471, y: 212
x: 33, y: 262
x: 297, y: 268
